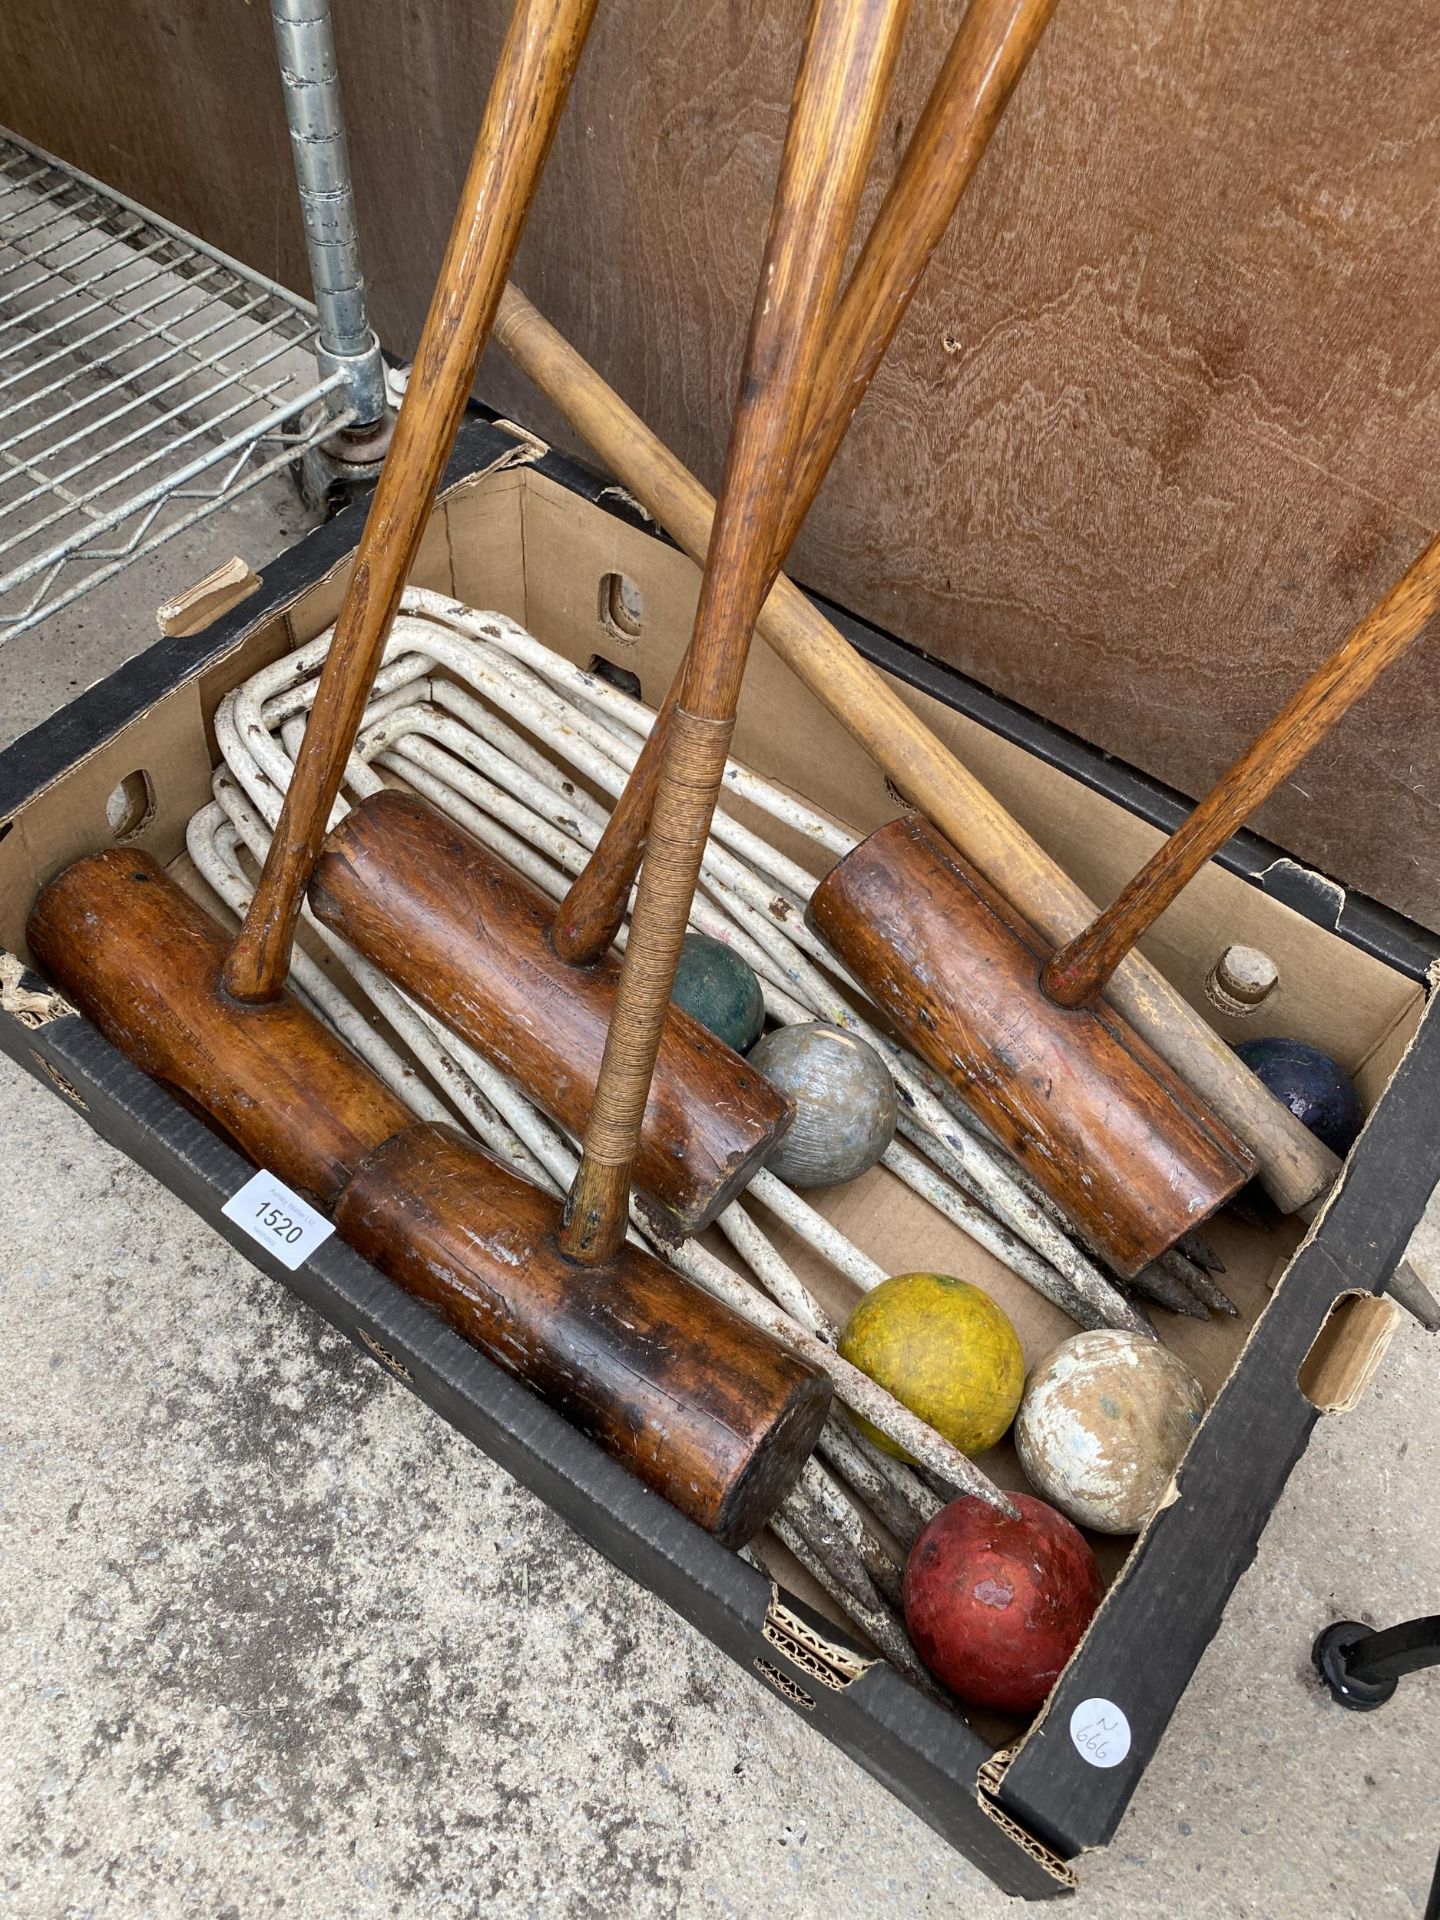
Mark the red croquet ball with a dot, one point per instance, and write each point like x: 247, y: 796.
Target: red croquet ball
x: 995, y: 1607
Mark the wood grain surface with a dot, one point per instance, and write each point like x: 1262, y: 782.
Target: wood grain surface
x: 143, y: 962
x: 1294, y: 1166
x: 708, y: 1410
x: 469, y: 938
x: 1079, y: 1099
x: 1156, y: 430
x: 528, y: 95
x: 836, y: 118
x: 700, y: 1405
x: 976, y: 78
x: 1076, y: 975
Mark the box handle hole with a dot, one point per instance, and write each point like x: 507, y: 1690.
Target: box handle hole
x: 622, y: 606
x: 1346, y: 1351
x: 623, y: 679
x: 131, y: 807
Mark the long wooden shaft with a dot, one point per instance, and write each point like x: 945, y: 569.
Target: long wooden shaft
x: 840, y: 95
x: 531, y: 82
x: 1078, y: 973
x: 1295, y: 1167
x: 987, y: 56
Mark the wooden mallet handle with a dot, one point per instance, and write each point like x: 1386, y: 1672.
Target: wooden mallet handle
x: 1077, y: 974
x: 840, y: 95
x: 531, y: 82
x: 987, y: 56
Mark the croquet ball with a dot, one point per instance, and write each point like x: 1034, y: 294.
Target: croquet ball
x: 995, y: 1607
x: 1315, y: 1088
x: 844, y: 1103
x: 945, y: 1350
x: 715, y: 987
x: 1105, y: 1419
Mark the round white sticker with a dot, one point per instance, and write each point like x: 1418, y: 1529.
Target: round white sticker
x: 1101, y: 1733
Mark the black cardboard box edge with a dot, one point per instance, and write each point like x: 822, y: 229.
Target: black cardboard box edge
x: 922, y: 1755
x: 1189, y: 1560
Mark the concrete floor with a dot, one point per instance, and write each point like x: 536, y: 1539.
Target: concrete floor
x: 276, y: 1641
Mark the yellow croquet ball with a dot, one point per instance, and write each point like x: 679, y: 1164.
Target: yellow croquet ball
x: 945, y: 1350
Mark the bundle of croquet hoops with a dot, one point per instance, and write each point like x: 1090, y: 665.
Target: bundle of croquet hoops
x: 585, y: 1039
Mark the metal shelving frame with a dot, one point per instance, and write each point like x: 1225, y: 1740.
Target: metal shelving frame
x: 146, y: 379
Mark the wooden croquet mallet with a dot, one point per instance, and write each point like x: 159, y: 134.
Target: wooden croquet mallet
x: 537, y: 63
x: 485, y: 953
x: 1161, y: 1163
x: 839, y: 97
x: 994, y: 41
x: 985, y: 1003
x: 702, y: 1407
x: 489, y: 961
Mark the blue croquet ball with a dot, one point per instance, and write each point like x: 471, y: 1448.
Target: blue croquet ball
x: 1313, y: 1086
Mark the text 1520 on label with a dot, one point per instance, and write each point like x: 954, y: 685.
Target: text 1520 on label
x: 278, y: 1219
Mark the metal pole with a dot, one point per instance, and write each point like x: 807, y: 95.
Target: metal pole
x: 1395, y: 1651
x: 310, y: 75
x: 1363, y: 1667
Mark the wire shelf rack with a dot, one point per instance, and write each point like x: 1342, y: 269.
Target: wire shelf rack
x: 146, y: 380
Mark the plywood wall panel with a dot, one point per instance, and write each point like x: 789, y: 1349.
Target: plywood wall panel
x: 1161, y: 422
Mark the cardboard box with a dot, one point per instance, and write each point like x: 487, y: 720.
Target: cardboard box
x: 522, y: 531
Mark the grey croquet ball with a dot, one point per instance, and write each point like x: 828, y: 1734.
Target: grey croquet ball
x: 844, y: 1098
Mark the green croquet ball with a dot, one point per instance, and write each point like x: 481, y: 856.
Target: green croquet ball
x: 715, y: 987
